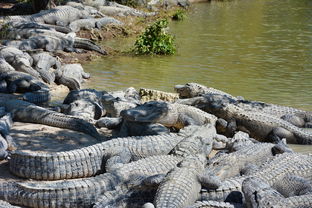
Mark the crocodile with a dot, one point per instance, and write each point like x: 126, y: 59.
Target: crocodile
x: 150, y: 94
x: 260, y: 194
x: 84, y: 103
x: 115, y: 9
x: 5, y: 66
x: 37, y: 97
x: 27, y: 112
x: 19, y: 60
x: 270, y: 171
x: 181, y: 186
x: 45, y: 42
x: 43, y: 62
x: 292, y: 185
x: 211, y: 204
x: 168, y: 114
x: 89, y: 161
x: 191, y: 89
x: 236, y: 163
x: 209, y: 100
x: 21, y: 82
x: 91, y: 23
x: 71, y: 75
x: 6, y: 141
x: 85, y: 191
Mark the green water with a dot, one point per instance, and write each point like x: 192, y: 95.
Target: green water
x: 260, y: 49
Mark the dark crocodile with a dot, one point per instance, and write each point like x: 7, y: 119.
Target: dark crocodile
x: 254, y: 154
x: 37, y: 97
x: 260, y: 194
x: 27, y: 112
x: 271, y: 171
x: 89, y: 161
x: 168, y: 114
x: 84, y: 192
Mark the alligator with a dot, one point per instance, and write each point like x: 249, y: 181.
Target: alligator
x: 91, y: 23
x: 37, y: 97
x: 84, y: 192
x: 43, y: 62
x: 87, y: 44
x: 84, y: 103
x: 6, y: 141
x: 115, y: 9
x: 236, y: 163
x: 260, y: 194
x: 71, y: 75
x: 270, y: 171
x: 150, y: 94
x: 191, y: 90
x: 21, y: 82
x: 45, y: 42
x: 292, y: 185
x: 27, y: 112
x: 168, y: 114
x: 115, y: 102
x: 89, y: 161
x: 181, y: 186
x: 19, y: 60
x: 5, y: 66
x: 209, y: 100
x: 211, y: 204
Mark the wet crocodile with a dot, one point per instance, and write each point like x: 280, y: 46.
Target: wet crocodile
x: 84, y: 192
x: 271, y: 171
x: 260, y: 194
x: 168, y: 114
x: 27, y: 112
x: 89, y: 161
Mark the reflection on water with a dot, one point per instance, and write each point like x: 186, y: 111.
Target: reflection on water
x: 260, y: 49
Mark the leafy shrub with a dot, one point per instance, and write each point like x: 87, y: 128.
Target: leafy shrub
x: 155, y: 40
x: 179, y: 15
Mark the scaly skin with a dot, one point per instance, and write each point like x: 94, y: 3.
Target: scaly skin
x: 181, y: 187
x: 150, y: 94
x: 259, y: 194
x: 232, y: 164
x: 27, y: 112
x: 89, y: 161
x: 83, y: 192
x: 211, y: 204
x: 271, y: 171
x: 168, y: 114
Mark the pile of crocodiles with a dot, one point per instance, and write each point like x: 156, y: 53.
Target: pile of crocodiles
x: 30, y: 45
x: 196, y: 148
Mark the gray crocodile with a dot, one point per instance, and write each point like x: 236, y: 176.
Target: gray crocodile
x: 89, y: 161
x: 91, y: 23
x: 211, y: 204
x: 27, y: 112
x: 84, y: 103
x: 271, y: 171
x: 5, y: 66
x: 84, y: 192
x: 71, y: 75
x: 292, y: 185
x: 260, y: 194
x: 236, y: 163
x: 43, y: 62
x: 191, y: 89
x: 168, y: 114
x: 181, y: 187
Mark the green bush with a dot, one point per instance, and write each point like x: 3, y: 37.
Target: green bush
x: 155, y: 40
x: 179, y: 15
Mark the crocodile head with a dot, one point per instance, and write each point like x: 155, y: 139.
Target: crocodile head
x: 85, y: 109
x: 152, y: 112
x: 190, y: 90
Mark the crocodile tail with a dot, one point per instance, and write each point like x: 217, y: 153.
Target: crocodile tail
x: 88, y: 45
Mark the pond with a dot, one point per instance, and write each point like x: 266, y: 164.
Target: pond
x: 259, y: 49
